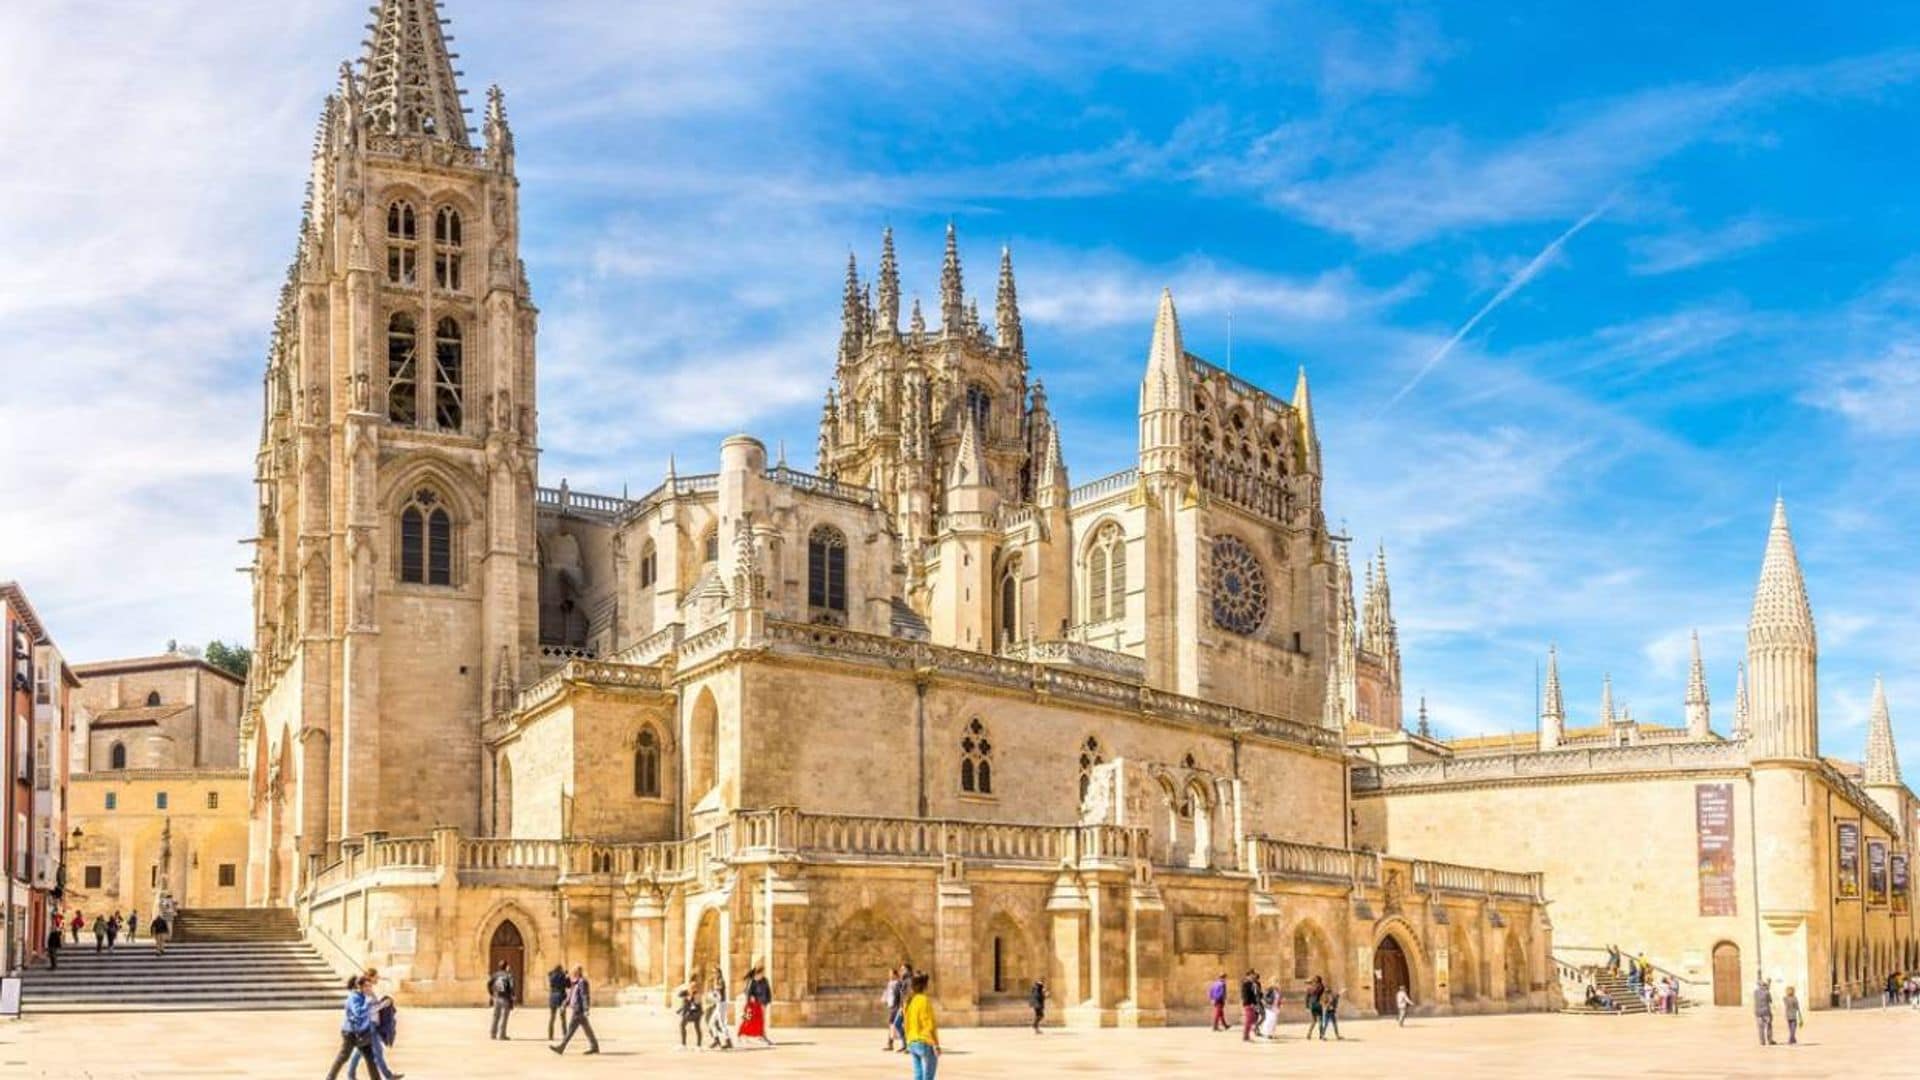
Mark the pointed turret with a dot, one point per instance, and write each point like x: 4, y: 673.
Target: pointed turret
x: 1882, y: 765
x: 1050, y: 486
x: 969, y: 463
x: 499, y: 134
x: 1742, y: 719
x: 1607, y: 716
x: 1699, y: 721
x: 917, y: 325
x: 1425, y: 729
x: 852, y: 314
x: 1783, y: 653
x: 889, y: 285
x: 1553, y: 704
x: 410, y: 81
x: 1006, y: 310
x: 953, y: 303
x: 1309, y: 440
x: 1382, y: 636
x: 829, y: 428
x: 1166, y: 396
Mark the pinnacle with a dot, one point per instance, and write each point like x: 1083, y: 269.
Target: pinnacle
x: 1882, y: 765
x: 1555, y: 706
x: 411, y: 88
x: 1697, y: 676
x: 1781, y: 611
x: 1166, y: 359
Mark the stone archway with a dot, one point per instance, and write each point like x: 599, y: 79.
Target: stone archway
x: 1726, y: 974
x: 507, y: 947
x: 1392, y: 972
x: 1516, y: 968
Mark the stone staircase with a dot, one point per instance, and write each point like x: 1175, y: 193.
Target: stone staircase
x: 1626, y: 997
x: 220, y: 959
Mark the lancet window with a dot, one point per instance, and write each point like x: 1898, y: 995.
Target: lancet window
x: 448, y: 367
x: 976, y: 759
x: 426, y: 540
x: 446, y: 249
x: 1107, y: 575
x: 402, y: 370
x: 403, y: 244
x: 827, y: 570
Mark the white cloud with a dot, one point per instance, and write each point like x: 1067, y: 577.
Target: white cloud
x: 1880, y: 396
x: 1686, y: 248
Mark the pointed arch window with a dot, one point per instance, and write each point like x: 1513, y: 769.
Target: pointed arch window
x: 153, y: 698
x: 426, y: 540
x: 710, y: 546
x: 1107, y: 575
x: 446, y: 249
x: 649, y: 564
x: 980, y: 405
x: 403, y: 244
x: 827, y: 571
x: 1090, y: 755
x: 646, y: 765
x: 1008, y: 603
x: 976, y: 759
x: 117, y: 758
x: 402, y: 371
x: 449, y: 391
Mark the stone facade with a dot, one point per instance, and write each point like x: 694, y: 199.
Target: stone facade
x: 162, y: 712
x: 1775, y: 903
x: 930, y: 702
x: 143, y: 833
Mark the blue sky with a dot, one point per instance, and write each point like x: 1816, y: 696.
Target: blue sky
x: 1679, y: 245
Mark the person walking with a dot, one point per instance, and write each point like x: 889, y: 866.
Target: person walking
x: 1330, y: 1016
x: 113, y: 930
x: 686, y: 1005
x: 54, y: 941
x: 357, y: 1034
x: 579, y: 1004
x: 1763, y: 1010
x: 1249, y: 1005
x: 1402, y: 1001
x: 161, y: 931
x: 77, y: 924
x: 1217, y: 994
x: 1790, y: 1008
x: 133, y: 927
x: 759, y: 997
x: 500, y: 992
x: 556, y: 997
x: 923, y: 1034
x: 1037, y: 997
x: 892, y: 999
x: 99, y: 932
x: 1269, y: 1011
x: 1316, y: 993
x: 380, y: 1011
x: 719, y: 1023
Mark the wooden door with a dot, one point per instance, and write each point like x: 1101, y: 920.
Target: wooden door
x: 1389, y: 975
x: 506, y: 947
x: 1726, y: 974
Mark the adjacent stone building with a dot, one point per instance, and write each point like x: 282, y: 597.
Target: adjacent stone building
x: 36, y: 708
x: 928, y: 702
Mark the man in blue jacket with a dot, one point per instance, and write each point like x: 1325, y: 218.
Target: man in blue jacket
x: 579, y: 1003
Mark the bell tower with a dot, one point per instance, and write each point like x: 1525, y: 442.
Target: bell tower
x: 394, y: 577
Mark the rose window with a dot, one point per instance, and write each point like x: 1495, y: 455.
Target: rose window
x: 1239, y: 587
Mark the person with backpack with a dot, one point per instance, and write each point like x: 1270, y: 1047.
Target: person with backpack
x: 161, y: 931
x: 1316, y: 993
x: 556, y: 996
x: 892, y: 999
x: 686, y: 1005
x: 501, y: 992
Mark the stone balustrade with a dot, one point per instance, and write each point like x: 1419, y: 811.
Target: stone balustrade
x: 652, y: 648
x: 1106, y: 485
x: 1661, y: 757
x: 1078, y: 654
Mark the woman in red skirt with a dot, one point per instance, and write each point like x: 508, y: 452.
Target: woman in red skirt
x: 753, y: 1016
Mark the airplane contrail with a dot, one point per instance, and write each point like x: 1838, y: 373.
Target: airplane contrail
x: 1514, y: 284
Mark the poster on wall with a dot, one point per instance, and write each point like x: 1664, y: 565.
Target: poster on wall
x: 1876, y: 871
x: 1899, y: 884
x: 1713, y: 823
x: 1847, y: 848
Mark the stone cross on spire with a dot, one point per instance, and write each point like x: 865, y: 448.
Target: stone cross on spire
x: 1882, y: 765
x: 1699, y: 724
x: 410, y: 80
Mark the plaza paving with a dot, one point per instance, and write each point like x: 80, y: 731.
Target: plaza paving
x: 451, y: 1043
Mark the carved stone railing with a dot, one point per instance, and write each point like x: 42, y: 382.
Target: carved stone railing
x: 564, y: 653
x: 612, y: 674
x: 707, y: 642
x: 565, y: 500
x: 1474, y: 880
x: 1078, y: 654
x: 821, y: 485
x: 652, y: 648
x: 1302, y: 862
x: 1600, y: 761
x: 1106, y: 485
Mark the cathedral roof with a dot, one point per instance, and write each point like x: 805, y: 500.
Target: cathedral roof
x: 409, y: 75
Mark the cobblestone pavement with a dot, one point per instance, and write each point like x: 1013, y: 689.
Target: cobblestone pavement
x: 437, y: 1043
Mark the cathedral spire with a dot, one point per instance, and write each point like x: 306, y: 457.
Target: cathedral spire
x: 1883, y: 765
x: 1606, y: 701
x: 852, y: 314
x: 410, y: 80
x: 1741, y: 722
x: 953, y: 304
x: 1166, y: 396
x: 1783, y: 653
x: 499, y: 134
x: 1425, y: 729
x: 1309, y: 450
x: 1052, y: 487
x: 889, y: 285
x: 1553, y: 705
x: 917, y: 325
x: 1006, y: 310
x: 1699, y: 723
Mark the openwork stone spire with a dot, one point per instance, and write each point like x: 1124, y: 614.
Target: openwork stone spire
x: 1006, y: 309
x: 1783, y: 653
x: 953, y: 302
x: 1883, y: 765
x: 852, y: 315
x: 1699, y: 721
x: 1553, y: 704
x: 1607, y: 716
x: 889, y: 284
x: 1742, y: 726
x: 410, y: 80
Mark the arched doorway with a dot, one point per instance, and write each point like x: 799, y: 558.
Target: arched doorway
x: 1390, y: 973
x: 1726, y: 974
x: 507, y: 948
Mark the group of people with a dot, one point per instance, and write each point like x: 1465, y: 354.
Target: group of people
x: 106, y: 931
x: 370, y: 1026
x: 1902, y: 989
x: 1260, y: 1007
x: 910, y: 1019
x: 707, y: 1010
x: 569, y: 1002
x: 1763, y: 1013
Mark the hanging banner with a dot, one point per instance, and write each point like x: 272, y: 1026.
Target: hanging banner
x: 1876, y: 871
x: 1713, y: 827
x: 1847, y: 848
x: 1899, y: 884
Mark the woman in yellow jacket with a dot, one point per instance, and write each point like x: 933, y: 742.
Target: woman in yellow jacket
x: 923, y: 1035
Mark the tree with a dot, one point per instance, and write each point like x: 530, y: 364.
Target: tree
x: 235, y: 659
